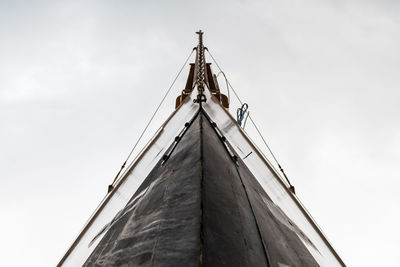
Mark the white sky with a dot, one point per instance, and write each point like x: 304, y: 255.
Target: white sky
x: 80, y: 79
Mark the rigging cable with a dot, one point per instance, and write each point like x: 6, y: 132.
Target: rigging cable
x: 111, y: 186
x: 291, y: 187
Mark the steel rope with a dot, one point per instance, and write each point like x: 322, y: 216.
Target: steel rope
x: 110, y: 187
x: 255, y: 126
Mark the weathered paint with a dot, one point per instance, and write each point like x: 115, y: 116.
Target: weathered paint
x: 201, y: 208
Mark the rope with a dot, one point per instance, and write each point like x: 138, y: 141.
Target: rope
x: 255, y: 126
x: 111, y: 186
x: 240, y: 114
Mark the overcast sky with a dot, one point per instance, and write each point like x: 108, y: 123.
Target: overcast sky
x: 80, y: 79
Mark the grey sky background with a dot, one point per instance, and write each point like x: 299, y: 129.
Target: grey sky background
x: 80, y: 79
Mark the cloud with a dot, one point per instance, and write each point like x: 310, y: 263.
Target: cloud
x: 78, y: 82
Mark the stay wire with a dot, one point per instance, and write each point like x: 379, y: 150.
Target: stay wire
x: 110, y: 187
x: 252, y: 121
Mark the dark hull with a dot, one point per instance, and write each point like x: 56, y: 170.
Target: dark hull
x: 202, y: 206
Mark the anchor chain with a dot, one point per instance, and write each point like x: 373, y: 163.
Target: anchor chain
x: 200, y: 70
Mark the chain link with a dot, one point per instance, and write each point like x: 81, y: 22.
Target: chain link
x: 200, y: 69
